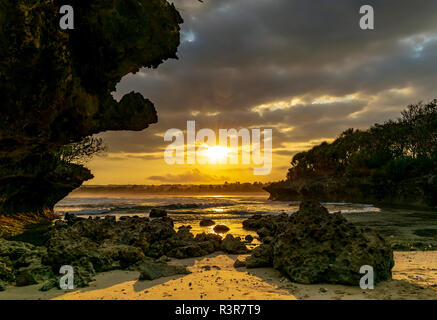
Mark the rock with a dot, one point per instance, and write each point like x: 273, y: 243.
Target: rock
x: 71, y: 218
x: 265, y: 225
x: 206, y: 223
x: 314, y: 246
x: 2, y: 286
x: 6, y: 273
x: 239, y: 264
x: 157, y: 213
x: 73, y: 97
x: 323, y: 290
x: 151, y: 270
x: 233, y: 245
x: 48, y: 285
x: 248, y: 238
x: 221, y: 228
x: 261, y: 257
x: 25, y: 278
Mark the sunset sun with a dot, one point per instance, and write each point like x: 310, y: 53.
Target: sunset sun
x: 217, y: 153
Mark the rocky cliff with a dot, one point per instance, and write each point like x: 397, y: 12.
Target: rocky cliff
x: 56, y: 85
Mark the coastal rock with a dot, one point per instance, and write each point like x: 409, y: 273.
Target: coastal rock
x: 261, y: 257
x: 239, y: 264
x: 314, y: 246
x: 233, y: 245
x: 266, y: 225
x: 50, y: 284
x: 25, y: 278
x: 220, y: 228
x: 2, y: 286
x: 98, y: 245
x: 6, y: 273
x: 157, y: 213
x: 206, y: 223
x: 56, y: 89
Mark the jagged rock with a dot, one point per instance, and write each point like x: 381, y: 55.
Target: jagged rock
x: 265, y: 225
x: 56, y: 88
x: 157, y: 213
x: 261, y: 257
x: 220, y: 228
x: 206, y: 223
x: 233, y: 245
x: 314, y: 246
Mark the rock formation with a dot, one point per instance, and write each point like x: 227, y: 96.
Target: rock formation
x: 56, y: 87
x: 102, y: 244
x: 314, y: 246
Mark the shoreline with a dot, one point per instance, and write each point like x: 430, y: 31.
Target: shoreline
x: 213, y: 277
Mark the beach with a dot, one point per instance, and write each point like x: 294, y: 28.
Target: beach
x: 214, y: 277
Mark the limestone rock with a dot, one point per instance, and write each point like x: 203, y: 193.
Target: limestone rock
x: 233, y: 245
x: 56, y: 88
x: 314, y: 246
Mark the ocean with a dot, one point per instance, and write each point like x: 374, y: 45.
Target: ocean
x: 227, y: 209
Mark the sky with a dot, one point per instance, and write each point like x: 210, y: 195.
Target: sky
x: 303, y: 68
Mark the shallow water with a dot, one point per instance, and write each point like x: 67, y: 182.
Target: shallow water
x: 229, y: 209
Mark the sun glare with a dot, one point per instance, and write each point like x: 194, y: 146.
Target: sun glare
x: 217, y: 153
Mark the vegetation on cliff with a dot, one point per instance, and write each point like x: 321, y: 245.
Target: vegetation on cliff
x: 56, y: 88
x: 393, y: 162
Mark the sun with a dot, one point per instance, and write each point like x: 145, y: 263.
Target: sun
x: 217, y: 153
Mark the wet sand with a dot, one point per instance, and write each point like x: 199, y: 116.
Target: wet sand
x: 214, y: 277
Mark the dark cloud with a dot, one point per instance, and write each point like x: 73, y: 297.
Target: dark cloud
x: 240, y: 54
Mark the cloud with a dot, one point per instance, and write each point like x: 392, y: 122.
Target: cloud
x: 237, y: 55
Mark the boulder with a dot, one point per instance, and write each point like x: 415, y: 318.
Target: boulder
x: 314, y: 246
x: 233, y: 245
x: 220, y: 228
x: 157, y: 213
x: 261, y: 257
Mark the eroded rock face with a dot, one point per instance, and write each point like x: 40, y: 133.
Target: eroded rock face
x: 314, y: 246
x: 56, y: 87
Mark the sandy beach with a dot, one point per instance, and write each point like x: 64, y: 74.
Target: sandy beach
x: 214, y: 277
